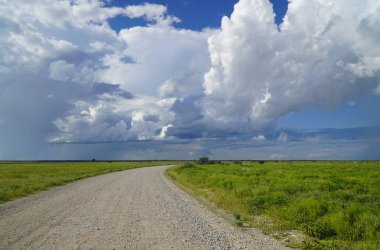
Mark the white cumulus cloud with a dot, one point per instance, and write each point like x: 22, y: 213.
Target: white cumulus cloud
x: 152, y: 12
x: 325, y: 53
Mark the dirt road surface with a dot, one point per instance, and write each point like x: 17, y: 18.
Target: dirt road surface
x: 134, y: 209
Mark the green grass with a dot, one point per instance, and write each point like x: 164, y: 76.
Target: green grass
x: 329, y: 205
x: 18, y: 179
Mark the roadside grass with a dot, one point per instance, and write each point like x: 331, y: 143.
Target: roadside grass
x: 309, y: 205
x: 18, y: 179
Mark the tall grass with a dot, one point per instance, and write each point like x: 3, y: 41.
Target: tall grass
x: 18, y: 179
x: 335, y: 205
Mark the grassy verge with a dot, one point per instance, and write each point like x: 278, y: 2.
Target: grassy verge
x: 310, y: 205
x: 18, y: 179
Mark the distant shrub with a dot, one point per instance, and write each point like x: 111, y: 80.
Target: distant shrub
x: 261, y: 162
x: 238, y: 162
x: 188, y: 165
x: 204, y: 160
x: 215, y: 162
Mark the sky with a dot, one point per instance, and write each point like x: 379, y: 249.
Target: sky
x: 170, y: 79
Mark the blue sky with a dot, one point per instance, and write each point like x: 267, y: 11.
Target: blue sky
x: 166, y: 79
x: 364, y: 113
x: 195, y: 14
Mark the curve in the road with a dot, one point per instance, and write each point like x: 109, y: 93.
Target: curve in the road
x: 134, y: 209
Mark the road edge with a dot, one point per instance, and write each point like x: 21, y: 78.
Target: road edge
x: 224, y: 214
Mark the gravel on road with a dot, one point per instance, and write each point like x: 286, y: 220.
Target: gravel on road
x: 133, y: 209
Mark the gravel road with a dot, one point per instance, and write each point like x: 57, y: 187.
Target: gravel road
x: 134, y: 209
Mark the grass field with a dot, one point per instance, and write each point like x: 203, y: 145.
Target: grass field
x: 310, y: 205
x: 18, y: 179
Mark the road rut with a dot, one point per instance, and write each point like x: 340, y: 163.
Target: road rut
x: 133, y: 209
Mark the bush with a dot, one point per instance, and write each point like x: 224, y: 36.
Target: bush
x: 215, y: 162
x: 204, y: 160
x: 188, y: 165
